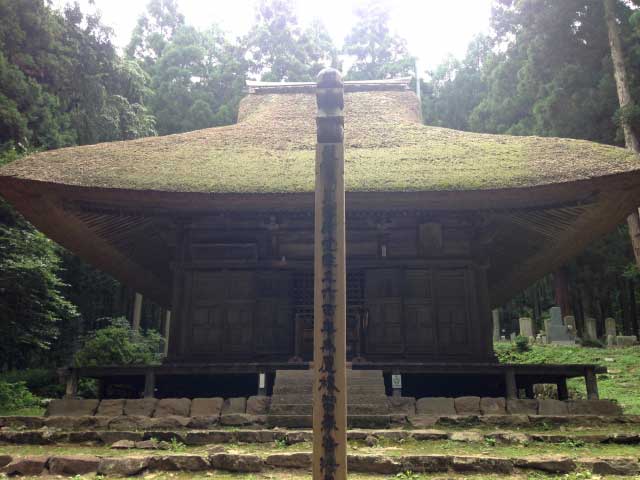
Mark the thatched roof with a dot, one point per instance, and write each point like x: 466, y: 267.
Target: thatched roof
x: 271, y: 150
x: 116, y: 204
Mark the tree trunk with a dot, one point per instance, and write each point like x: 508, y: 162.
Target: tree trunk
x: 561, y: 287
x: 632, y: 307
x: 625, y: 99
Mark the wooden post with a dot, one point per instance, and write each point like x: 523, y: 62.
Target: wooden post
x: 510, y: 383
x: 137, y: 312
x: 592, y: 384
x: 167, y: 331
x: 563, y: 391
x: 149, y: 383
x: 329, y: 334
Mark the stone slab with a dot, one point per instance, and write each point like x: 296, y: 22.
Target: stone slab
x: 206, y: 407
x: 403, y: 405
x: 258, y: 405
x: 166, y: 407
x: 522, y: 406
x: 71, y: 407
x: 435, y: 406
x: 234, y: 405
x: 552, y: 407
x: 142, y: 407
x: 111, y: 407
x: 70, y: 465
x: 467, y: 405
x: 493, y: 406
x: 26, y: 466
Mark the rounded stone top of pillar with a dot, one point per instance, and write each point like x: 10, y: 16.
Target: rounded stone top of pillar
x: 329, y: 78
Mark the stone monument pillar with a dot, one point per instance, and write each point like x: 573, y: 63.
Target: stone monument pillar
x: 590, y: 330
x: 526, y: 327
x: 556, y: 330
x: 610, y: 331
x: 495, y: 313
x: 329, y: 335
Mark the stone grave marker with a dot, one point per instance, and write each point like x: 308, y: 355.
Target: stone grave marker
x: 557, y: 332
x: 590, y: 331
x: 526, y: 327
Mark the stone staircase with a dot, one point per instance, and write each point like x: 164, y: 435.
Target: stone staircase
x: 291, y: 402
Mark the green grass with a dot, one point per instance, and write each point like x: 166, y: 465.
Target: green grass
x: 388, y: 448
x: 621, y: 383
x: 23, y: 412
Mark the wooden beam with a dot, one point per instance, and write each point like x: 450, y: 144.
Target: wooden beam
x: 329, y: 338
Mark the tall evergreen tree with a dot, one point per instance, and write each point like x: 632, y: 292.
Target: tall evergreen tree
x: 378, y: 53
x: 280, y: 49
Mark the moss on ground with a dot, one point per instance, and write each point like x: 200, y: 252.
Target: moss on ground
x: 621, y: 383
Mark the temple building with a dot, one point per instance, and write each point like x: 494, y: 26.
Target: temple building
x: 216, y: 226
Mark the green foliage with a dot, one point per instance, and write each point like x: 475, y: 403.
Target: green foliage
x: 33, y: 306
x: 198, y: 81
x: 119, y: 344
x: 176, y: 446
x: 62, y: 81
x: 378, y: 53
x: 14, y: 396
x: 280, y: 49
x: 41, y: 382
x: 522, y: 344
x: 407, y: 475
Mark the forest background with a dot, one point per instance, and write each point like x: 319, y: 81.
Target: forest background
x: 544, y: 69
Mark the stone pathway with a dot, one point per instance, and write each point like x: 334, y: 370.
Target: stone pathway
x: 71, y: 465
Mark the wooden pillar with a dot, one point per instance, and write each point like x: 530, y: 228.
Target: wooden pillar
x: 329, y: 335
x: 510, y: 384
x: 167, y: 331
x: 137, y: 312
x: 149, y: 383
x: 592, y: 384
x: 563, y: 391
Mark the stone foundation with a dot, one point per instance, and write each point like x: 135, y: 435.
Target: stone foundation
x: 243, y: 411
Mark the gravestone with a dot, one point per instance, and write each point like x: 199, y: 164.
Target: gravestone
x: 590, y: 331
x: 610, y: 331
x: 570, y: 323
x: 526, y: 327
x: 496, y: 324
x: 556, y: 330
x: 626, y: 340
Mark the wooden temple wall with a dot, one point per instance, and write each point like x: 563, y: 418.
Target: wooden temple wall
x: 243, y: 289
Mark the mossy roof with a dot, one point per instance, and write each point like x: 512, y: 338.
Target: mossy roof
x: 272, y: 147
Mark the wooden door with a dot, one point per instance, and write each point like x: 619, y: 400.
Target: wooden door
x: 383, y: 301
x: 221, y: 314
x: 454, y: 319
x: 420, y: 325
x: 273, y: 325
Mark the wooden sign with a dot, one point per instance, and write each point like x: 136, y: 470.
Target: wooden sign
x: 329, y: 338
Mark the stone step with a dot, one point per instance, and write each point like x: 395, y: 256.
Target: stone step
x: 377, y: 464
x: 305, y: 421
x: 307, y: 409
x: 351, y: 399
